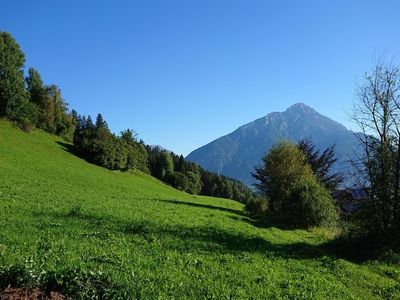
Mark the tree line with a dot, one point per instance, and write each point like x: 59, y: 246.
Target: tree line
x: 27, y: 100
x: 30, y: 103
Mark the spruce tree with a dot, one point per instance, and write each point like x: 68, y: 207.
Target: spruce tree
x: 100, y: 122
x: 321, y: 164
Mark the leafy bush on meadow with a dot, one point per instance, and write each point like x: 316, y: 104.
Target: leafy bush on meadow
x: 258, y: 205
x: 310, y: 204
x: 286, y: 179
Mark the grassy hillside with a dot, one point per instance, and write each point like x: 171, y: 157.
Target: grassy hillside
x: 83, y: 230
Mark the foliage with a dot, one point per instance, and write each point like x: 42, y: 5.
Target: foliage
x: 97, y: 144
x: 13, y: 97
x: 321, y: 164
x: 282, y: 167
x: 179, y: 181
x: 34, y: 105
x: 35, y: 87
x: 190, y: 177
x: 310, y: 204
x: 377, y: 112
x: 56, y: 116
x: 194, y: 180
x: 161, y: 163
x: 37, y: 94
x: 257, y: 205
x: 137, y: 157
x: 293, y: 191
x: 166, y: 165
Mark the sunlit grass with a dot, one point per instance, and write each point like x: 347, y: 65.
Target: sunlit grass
x: 81, y: 229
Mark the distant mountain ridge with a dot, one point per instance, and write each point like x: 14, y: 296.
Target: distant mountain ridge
x: 236, y: 154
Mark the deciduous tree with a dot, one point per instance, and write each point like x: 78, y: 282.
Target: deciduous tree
x: 13, y: 96
x: 377, y: 113
x: 281, y: 168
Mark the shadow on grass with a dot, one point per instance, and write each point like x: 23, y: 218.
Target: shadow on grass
x: 354, y: 249
x: 186, y: 239
x: 67, y: 147
x: 201, y: 205
x: 268, y: 221
x: 214, y: 239
x: 206, y: 238
x: 72, y: 150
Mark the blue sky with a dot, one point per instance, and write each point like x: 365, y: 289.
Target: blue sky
x: 182, y: 73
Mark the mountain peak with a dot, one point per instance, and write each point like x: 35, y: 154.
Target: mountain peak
x: 300, y: 107
x: 236, y: 154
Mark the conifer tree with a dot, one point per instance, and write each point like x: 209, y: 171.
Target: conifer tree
x: 321, y: 164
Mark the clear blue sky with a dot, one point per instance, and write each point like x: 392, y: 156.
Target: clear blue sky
x: 182, y: 73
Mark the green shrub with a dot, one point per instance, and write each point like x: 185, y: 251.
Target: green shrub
x: 194, y: 186
x: 178, y: 180
x: 280, y: 169
x: 258, y: 205
x: 26, y: 125
x: 310, y: 204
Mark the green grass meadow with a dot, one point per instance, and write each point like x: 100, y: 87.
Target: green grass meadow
x: 88, y: 232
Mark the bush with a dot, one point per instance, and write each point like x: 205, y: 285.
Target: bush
x: 281, y: 167
x: 26, y: 125
x: 137, y: 157
x: 258, y: 205
x: 178, y: 180
x: 194, y: 186
x: 310, y: 204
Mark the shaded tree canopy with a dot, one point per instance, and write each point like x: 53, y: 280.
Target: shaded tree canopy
x: 321, y: 164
